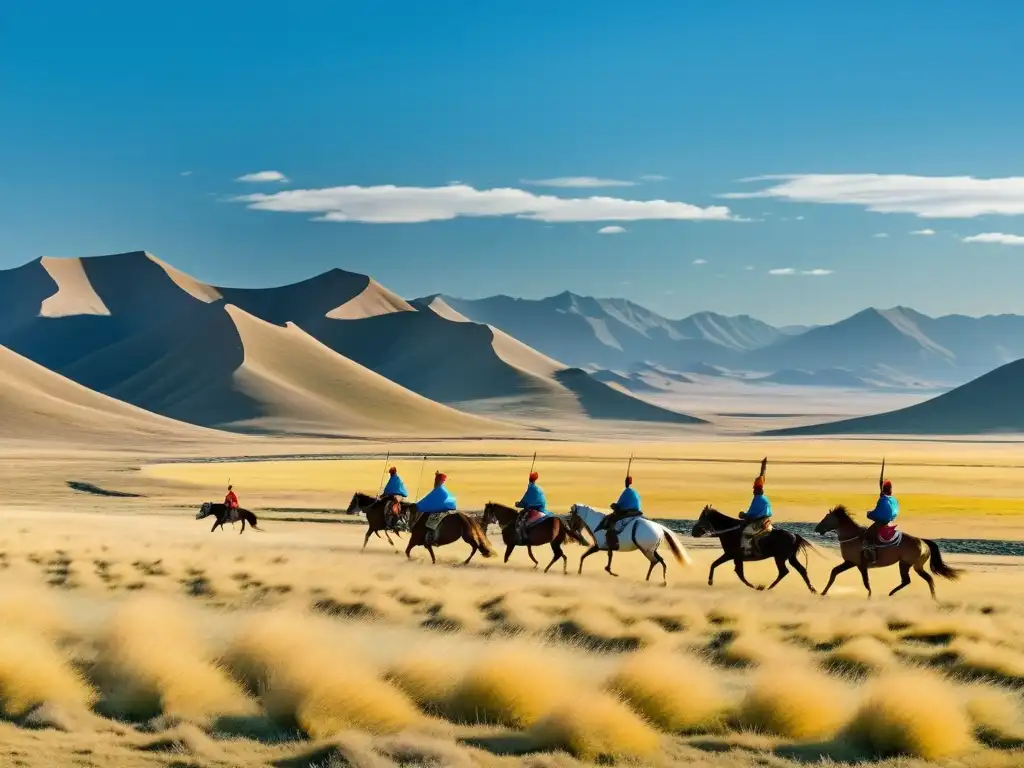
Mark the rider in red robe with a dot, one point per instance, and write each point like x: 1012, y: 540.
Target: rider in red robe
x: 231, y: 501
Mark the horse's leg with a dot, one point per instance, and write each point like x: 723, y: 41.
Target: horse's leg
x: 711, y: 574
x: 649, y: 570
x: 215, y: 524
x: 430, y: 551
x: 919, y: 568
x: 388, y: 537
x: 243, y: 527
x: 843, y: 566
x: 558, y: 554
x: 609, y: 566
x: 471, y: 552
x: 738, y: 561
x: 367, y: 539
x: 795, y: 562
x: 904, y: 578
x: 508, y: 551
x: 780, y: 563
x: 585, y: 555
x: 529, y: 551
x: 864, y: 576
x: 408, y: 549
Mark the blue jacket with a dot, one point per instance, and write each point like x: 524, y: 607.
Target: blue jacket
x: 438, y: 500
x: 395, y: 487
x: 885, y: 510
x: 629, y: 499
x: 533, y: 499
x: 760, y: 508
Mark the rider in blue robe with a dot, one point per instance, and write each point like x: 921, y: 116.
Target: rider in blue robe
x: 760, y: 510
x: 887, y: 508
x: 628, y: 505
x: 533, y: 500
x: 395, y: 487
x: 438, y: 500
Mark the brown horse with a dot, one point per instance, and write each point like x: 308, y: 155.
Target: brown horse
x: 380, y: 516
x: 911, y: 552
x: 455, y: 526
x: 551, y: 530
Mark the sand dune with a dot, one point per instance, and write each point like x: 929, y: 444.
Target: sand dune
x: 223, y: 367
x: 38, y: 404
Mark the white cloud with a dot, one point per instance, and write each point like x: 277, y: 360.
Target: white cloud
x: 880, y: 235
x: 930, y: 197
x: 578, y: 182
x: 996, y: 238
x: 186, y: 173
x: 807, y: 272
x: 800, y: 218
x: 748, y: 268
x: 653, y: 177
x: 612, y: 230
x: 699, y: 262
x: 264, y: 176
x: 387, y: 204
x: 923, y: 232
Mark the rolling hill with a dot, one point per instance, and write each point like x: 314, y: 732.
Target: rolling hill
x: 989, y: 404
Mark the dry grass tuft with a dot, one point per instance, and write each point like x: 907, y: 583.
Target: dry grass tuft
x: 34, y: 672
x: 861, y: 654
x: 675, y: 692
x: 151, y: 663
x: 978, y: 659
x: 595, y: 727
x: 428, y: 681
x: 995, y: 713
x: 913, y: 713
x: 752, y: 649
x: 32, y: 608
x: 795, y: 702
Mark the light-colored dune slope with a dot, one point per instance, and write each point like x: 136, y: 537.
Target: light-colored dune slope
x: 39, y: 405
x: 222, y: 367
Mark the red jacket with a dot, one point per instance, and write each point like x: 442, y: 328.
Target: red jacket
x: 231, y: 501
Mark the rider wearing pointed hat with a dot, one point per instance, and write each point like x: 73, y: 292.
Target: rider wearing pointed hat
x: 392, y: 495
x: 438, y: 500
x: 759, y: 513
x: 533, y: 500
x: 627, y: 506
x: 887, y: 508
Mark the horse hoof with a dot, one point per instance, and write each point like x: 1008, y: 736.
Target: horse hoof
x: 759, y: 587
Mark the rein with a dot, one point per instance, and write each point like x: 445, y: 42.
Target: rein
x: 724, y: 531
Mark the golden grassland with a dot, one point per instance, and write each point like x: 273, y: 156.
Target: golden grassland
x: 132, y: 636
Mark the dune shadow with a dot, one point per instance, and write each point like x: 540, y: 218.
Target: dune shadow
x: 95, y: 490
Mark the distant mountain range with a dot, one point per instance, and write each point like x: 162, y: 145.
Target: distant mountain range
x: 875, y: 345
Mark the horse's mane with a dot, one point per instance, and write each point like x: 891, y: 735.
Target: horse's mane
x: 363, y: 497
x: 721, y: 516
x: 840, y: 509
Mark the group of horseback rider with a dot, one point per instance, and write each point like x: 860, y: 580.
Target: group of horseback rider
x: 533, y: 505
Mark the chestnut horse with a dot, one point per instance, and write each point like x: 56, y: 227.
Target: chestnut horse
x: 379, y: 515
x: 911, y: 552
x: 550, y: 530
x: 455, y: 526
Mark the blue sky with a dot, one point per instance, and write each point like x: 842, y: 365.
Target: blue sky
x: 126, y: 128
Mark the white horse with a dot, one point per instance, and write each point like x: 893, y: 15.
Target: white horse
x: 635, y: 533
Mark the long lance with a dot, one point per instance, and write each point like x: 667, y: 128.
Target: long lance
x: 881, y: 476
x: 534, y: 462
x: 629, y: 466
x: 420, y: 479
x: 381, y: 485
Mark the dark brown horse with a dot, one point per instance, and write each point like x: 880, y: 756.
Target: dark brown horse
x: 455, y: 526
x: 910, y: 552
x: 223, y: 515
x: 380, y: 515
x: 550, y: 530
x: 780, y: 545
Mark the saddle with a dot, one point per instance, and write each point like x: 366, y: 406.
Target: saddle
x: 888, y: 536
x: 753, y: 531
x: 434, y: 519
x: 234, y: 514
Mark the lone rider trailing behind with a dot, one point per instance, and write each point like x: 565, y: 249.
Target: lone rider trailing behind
x: 885, y: 512
x: 437, y: 501
x: 533, y: 501
x: 759, y: 513
x: 231, y: 504
x: 627, y: 506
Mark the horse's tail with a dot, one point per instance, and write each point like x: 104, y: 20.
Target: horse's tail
x: 252, y: 521
x: 476, y: 531
x: 803, y: 545
x: 678, y: 552
x: 939, y: 567
x: 570, y: 534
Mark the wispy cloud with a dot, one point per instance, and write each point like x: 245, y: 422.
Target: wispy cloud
x: 880, y: 235
x: 264, y: 176
x: 748, y: 268
x: 930, y: 197
x: 785, y: 271
x: 699, y: 262
x: 387, y: 204
x: 799, y: 218
x: 996, y: 238
x: 923, y: 232
x: 186, y: 173
x: 578, y: 182
x: 653, y: 177
x: 611, y: 230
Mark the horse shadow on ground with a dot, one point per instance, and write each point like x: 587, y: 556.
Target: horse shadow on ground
x: 95, y: 490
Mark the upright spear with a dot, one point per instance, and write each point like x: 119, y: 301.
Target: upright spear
x: 534, y: 462
x: 881, y: 476
x: 380, y: 486
x: 420, y: 479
